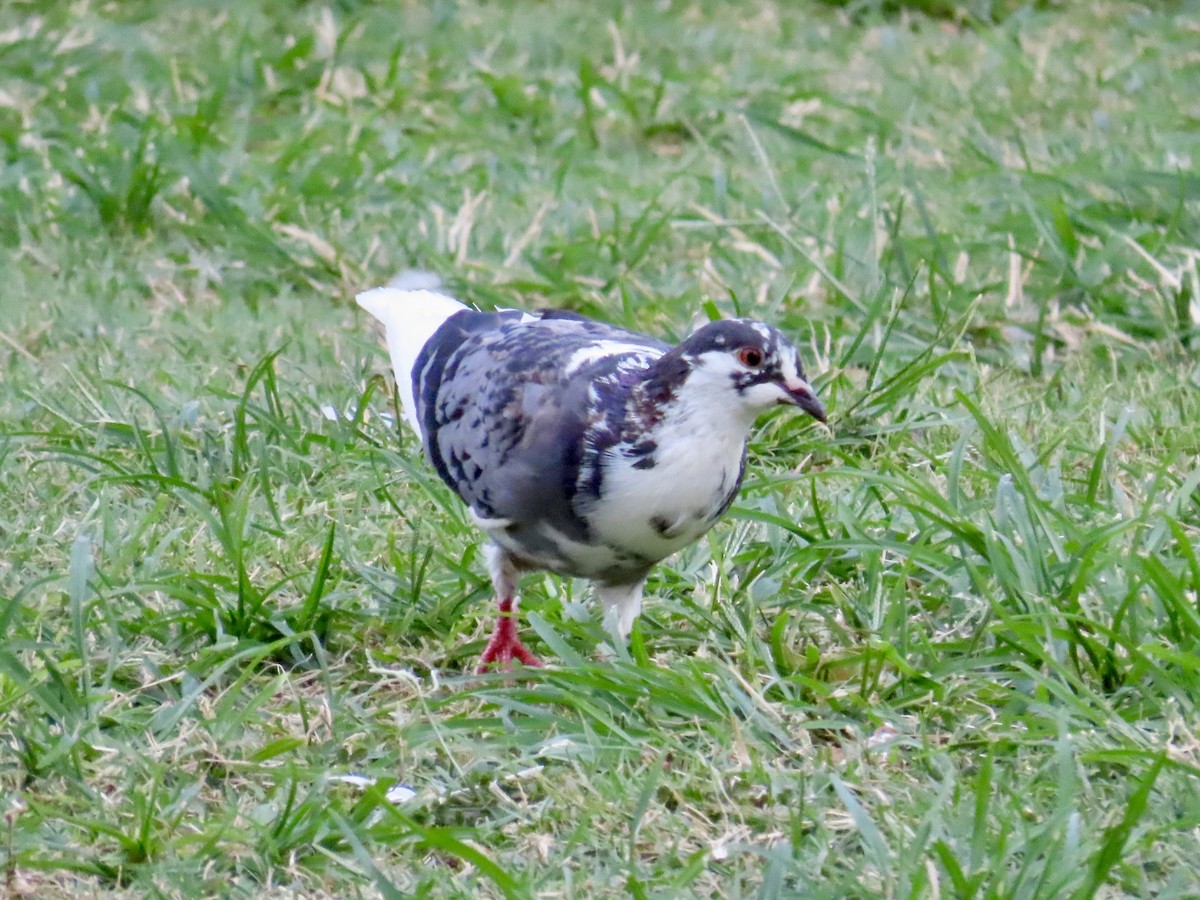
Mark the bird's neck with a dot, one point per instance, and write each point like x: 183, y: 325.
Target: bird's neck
x: 684, y: 400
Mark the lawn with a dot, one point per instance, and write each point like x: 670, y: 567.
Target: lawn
x: 948, y: 646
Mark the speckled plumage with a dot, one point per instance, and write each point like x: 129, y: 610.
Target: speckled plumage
x: 583, y: 448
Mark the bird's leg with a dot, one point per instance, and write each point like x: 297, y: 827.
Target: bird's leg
x: 505, y: 645
x: 622, y: 603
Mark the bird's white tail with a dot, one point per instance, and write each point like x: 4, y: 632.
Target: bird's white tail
x: 409, y: 319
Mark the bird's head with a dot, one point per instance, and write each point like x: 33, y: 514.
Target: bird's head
x: 751, y: 364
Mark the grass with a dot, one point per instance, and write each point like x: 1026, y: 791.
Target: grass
x: 947, y: 648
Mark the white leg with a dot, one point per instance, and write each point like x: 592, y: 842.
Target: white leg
x: 504, y: 574
x: 622, y: 603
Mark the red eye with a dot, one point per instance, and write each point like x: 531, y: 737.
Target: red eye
x: 750, y: 356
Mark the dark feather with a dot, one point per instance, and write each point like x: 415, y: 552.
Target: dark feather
x: 504, y: 425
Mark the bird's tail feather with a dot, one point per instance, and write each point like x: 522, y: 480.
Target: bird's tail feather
x: 409, y: 319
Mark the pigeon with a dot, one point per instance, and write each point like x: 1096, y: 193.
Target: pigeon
x: 579, y: 447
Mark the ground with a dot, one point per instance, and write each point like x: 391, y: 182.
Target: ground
x: 946, y: 647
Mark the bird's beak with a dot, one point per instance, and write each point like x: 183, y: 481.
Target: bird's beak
x: 802, y: 395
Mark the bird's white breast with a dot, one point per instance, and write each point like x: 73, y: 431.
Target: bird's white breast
x: 656, y: 511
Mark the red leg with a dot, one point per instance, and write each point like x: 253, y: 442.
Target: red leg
x: 505, y: 645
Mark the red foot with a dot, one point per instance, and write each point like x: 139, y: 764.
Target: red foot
x: 505, y: 646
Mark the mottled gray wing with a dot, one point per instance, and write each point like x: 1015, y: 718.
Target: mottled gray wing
x: 503, y: 401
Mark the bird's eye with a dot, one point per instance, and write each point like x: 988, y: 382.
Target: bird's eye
x: 750, y: 356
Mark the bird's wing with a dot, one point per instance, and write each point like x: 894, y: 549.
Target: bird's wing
x: 504, y: 402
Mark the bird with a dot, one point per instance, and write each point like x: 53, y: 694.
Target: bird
x: 579, y: 447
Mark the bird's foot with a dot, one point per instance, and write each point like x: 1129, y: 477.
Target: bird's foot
x: 504, y: 645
